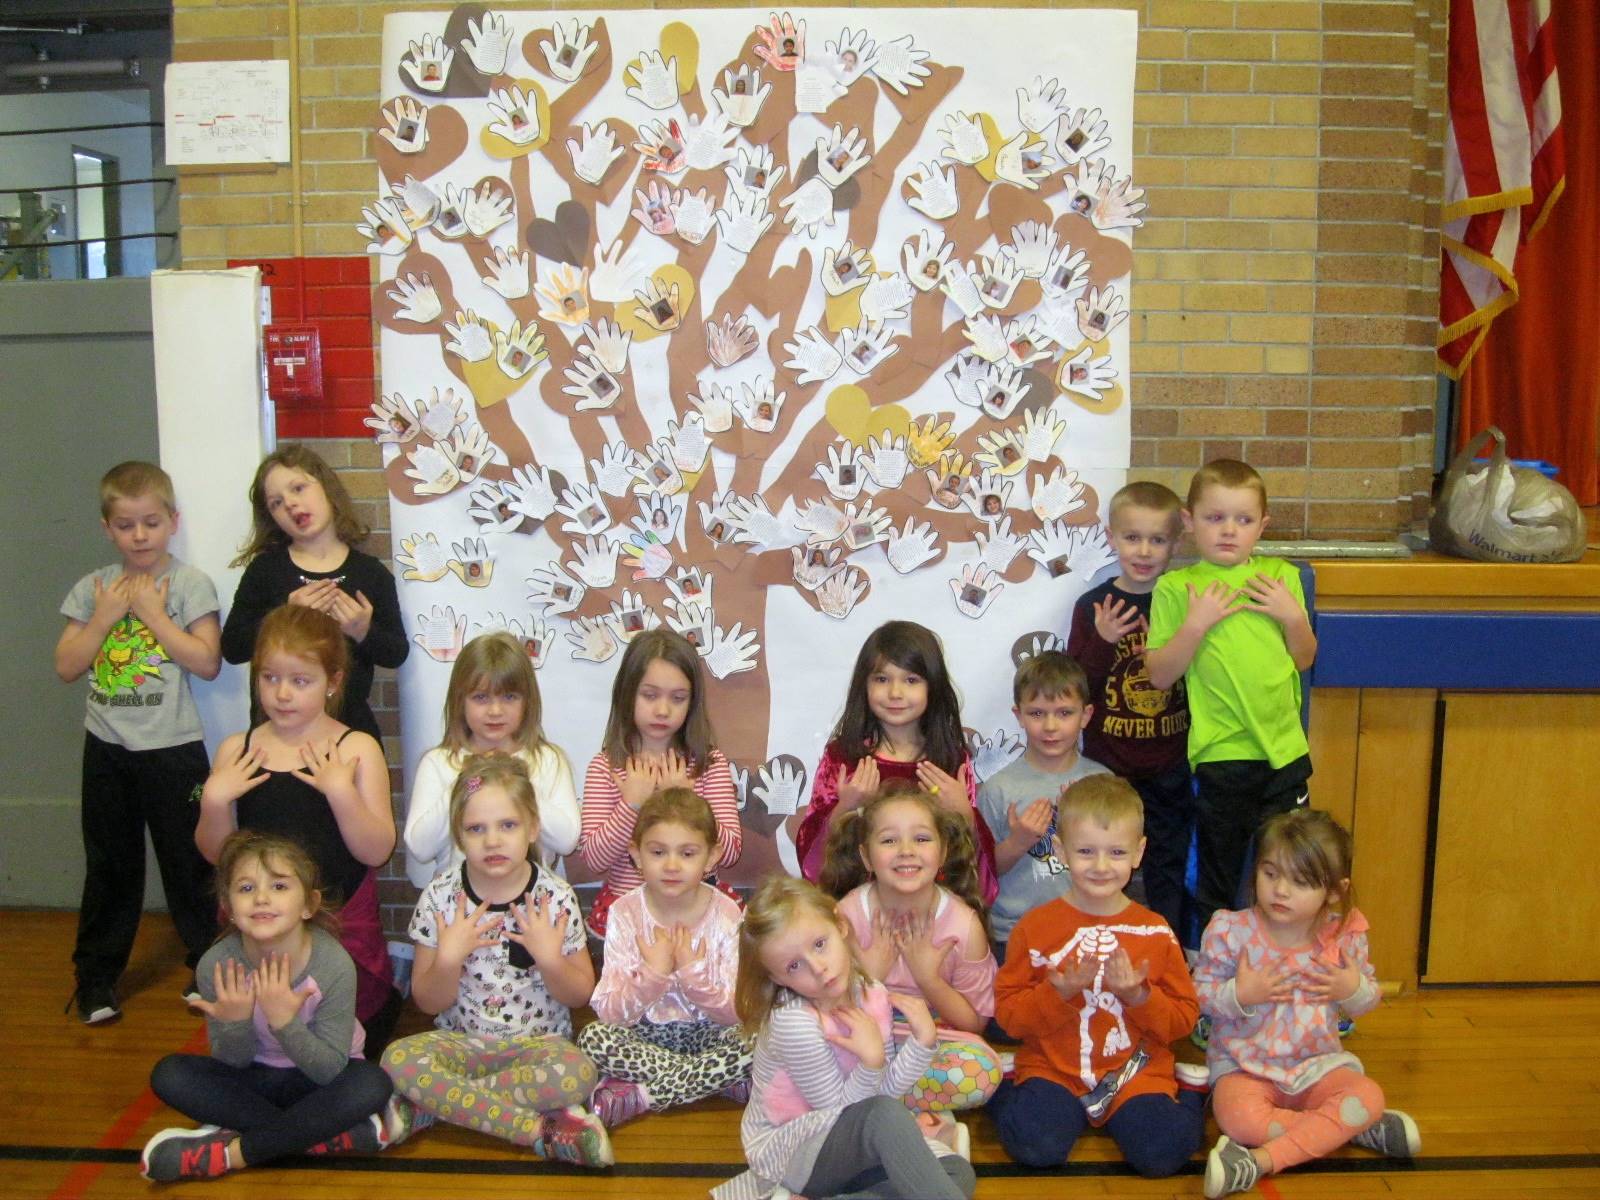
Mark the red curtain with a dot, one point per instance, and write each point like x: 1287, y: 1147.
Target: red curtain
x: 1537, y: 374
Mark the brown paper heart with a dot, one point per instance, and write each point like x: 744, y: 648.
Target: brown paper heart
x: 1108, y: 258
x: 463, y: 80
x: 419, y: 263
x: 447, y: 138
x: 845, y: 197
x: 533, y: 50
x: 572, y: 219
x: 1012, y: 206
x: 564, y: 239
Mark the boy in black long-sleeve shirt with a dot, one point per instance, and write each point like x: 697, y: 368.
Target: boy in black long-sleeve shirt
x: 1138, y: 731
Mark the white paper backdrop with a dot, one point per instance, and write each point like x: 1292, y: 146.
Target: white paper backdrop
x: 1016, y: 89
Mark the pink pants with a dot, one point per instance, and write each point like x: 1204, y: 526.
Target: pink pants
x: 1295, y: 1128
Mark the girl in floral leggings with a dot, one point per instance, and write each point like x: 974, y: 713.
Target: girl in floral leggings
x: 502, y: 958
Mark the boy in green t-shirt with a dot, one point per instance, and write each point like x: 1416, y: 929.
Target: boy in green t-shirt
x: 1234, y: 627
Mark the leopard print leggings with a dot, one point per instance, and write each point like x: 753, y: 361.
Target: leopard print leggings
x: 678, y: 1062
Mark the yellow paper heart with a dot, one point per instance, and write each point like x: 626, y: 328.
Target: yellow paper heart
x: 1110, y: 400
x: 679, y: 41
x: 853, y: 418
x: 626, y: 311
x: 992, y: 135
x: 842, y: 312
x: 496, y: 146
x: 488, y: 384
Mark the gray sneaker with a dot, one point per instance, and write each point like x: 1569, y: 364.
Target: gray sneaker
x: 1395, y: 1135
x: 1230, y: 1168
x: 364, y: 1137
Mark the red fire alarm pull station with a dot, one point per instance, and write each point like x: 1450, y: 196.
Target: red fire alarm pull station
x: 294, y: 362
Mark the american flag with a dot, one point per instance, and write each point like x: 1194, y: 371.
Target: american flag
x: 1504, y: 162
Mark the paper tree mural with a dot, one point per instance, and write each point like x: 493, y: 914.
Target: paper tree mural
x: 731, y: 349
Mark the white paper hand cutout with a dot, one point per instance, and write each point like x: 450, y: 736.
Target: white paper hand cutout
x: 975, y: 590
x: 488, y: 44
x: 570, y: 52
x: 655, y: 81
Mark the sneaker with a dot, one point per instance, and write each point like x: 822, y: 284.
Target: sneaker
x: 616, y: 1102
x: 1230, y: 1168
x: 1202, y: 1032
x: 1395, y: 1135
x: 1194, y: 1076
x: 963, y: 1142
x: 738, y: 1092
x: 364, y: 1137
x: 1347, y: 1025
x: 97, y: 1003
x: 401, y: 1119
x: 175, y: 1154
x: 943, y: 1128
x: 575, y: 1135
x: 1098, y: 1102
x: 191, y: 995
x: 1008, y: 1063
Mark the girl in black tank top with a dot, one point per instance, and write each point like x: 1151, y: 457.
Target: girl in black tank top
x: 336, y: 805
x: 286, y: 804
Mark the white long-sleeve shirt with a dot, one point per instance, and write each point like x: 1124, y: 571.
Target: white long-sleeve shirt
x: 430, y: 850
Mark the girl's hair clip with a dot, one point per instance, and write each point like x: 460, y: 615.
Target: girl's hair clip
x: 474, y: 782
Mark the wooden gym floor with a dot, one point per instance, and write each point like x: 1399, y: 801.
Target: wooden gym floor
x: 1505, y: 1084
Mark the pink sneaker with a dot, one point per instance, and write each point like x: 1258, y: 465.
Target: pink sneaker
x: 575, y: 1135
x: 616, y: 1102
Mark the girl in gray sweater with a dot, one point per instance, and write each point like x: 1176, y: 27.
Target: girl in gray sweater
x: 285, y: 1073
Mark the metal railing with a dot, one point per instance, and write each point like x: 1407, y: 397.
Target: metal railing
x: 25, y: 243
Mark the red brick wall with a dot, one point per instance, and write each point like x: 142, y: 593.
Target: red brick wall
x: 335, y: 295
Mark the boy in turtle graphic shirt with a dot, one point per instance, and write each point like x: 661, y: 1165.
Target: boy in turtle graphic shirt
x: 139, y: 628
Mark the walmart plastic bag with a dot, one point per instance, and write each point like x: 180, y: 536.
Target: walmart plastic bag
x: 1497, y: 512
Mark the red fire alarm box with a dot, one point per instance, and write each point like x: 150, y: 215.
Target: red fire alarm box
x: 294, y: 362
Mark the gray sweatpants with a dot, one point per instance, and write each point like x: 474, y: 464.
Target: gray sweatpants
x: 875, y: 1151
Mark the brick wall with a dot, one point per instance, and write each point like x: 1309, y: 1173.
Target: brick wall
x: 1284, y: 281
x: 332, y: 295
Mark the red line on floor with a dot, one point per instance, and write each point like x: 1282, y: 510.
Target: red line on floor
x: 1269, y: 1190
x: 82, y: 1177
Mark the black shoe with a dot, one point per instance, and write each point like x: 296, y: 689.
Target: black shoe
x: 97, y: 1003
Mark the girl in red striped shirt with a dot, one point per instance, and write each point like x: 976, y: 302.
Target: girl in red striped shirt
x: 658, y: 736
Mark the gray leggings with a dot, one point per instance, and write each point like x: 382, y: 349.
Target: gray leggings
x: 876, y: 1151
